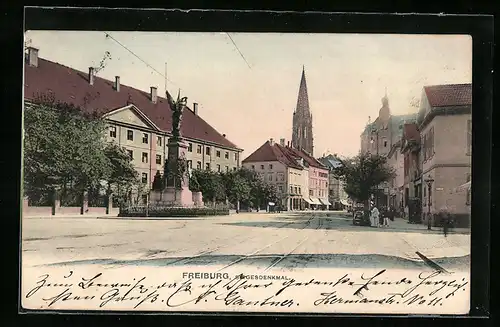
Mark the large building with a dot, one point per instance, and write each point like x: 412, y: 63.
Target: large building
x: 445, y: 125
x: 386, y: 130
x: 301, y: 180
x: 302, y: 130
x: 139, y: 121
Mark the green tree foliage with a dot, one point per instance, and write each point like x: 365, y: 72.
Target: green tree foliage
x: 362, y: 173
x: 158, y: 182
x: 241, y: 185
x: 65, y: 148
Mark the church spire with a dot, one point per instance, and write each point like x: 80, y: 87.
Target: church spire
x: 302, y: 136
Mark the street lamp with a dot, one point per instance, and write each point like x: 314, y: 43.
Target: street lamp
x: 429, y: 182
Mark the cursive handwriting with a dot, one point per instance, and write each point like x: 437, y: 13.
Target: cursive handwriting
x: 103, y: 292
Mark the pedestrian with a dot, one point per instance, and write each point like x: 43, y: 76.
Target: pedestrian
x: 387, y: 216
x: 375, y: 217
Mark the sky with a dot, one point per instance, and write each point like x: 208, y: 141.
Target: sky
x: 251, y: 96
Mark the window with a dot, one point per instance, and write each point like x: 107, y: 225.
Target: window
x: 130, y: 135
x: 270, y: 166
x: 144, y: 178
x: 158, y: 159
x: 291, y: 189
x: 469, y: 137
x: 468, y: 195
x: 218, y: 168
x: 207, y: 150
x: 145, y: 138
x: 262, y: 167
x: 226, y: 155
x: 145, y: 157
x: 227, y: 169
x: 190, y: 147
x: 311, y: 192
x: 270, y: 177
x: 158, y: 141
x: 131, y: 154
x: 282, y: 177
x: 198, y: 149
x: 236, y: 156
x: 253, y: 167
x: 207, y: 166
x: 280, y: 189
x: 217, y: 153
x: 300, y: 191
x: 385, y: 144
x: 190, y: 164
x: 295, y: 190
x: 198, y: 165
x: 234, y: 168
x: 112, y: 131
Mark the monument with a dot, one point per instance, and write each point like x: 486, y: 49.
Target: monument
x: 176, y: 173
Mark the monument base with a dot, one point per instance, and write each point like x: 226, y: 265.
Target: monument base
x: 176, y: 197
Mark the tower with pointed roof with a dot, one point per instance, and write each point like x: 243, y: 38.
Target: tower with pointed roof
x: 302, y: 131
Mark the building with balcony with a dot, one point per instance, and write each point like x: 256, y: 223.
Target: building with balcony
x: 336, y: 193
x: 139, y: 121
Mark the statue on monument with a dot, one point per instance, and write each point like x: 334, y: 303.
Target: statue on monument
x: 177, y: 108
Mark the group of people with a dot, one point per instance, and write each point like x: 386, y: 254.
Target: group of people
x: 381, y: 218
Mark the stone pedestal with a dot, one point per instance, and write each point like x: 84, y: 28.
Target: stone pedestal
x: 177, y: 191
x: 109, y: 203
x: 198, y: 199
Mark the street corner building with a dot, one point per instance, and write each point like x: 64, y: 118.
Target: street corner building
x: 139, y: 121
x: 430, y: 150
x: 300, y: 179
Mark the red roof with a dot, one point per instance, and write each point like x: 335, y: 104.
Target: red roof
x: 284, y: 154
x: 71, y: 86
x: 274, y: 152
x: 410, y: 132
x: 301, y: 154
x: 449, y: 95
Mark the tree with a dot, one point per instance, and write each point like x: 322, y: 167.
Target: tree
x: 210, y: 183
x: 65, y: 148
x: 237, y: 186
x: 362, y: 173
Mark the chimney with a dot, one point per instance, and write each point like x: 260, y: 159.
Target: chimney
x: 33, y: 57
x: 282, y: 142
x: 271, y: 141
x: 288, y: 144
x: 153, y: 94
x: 117, y: 83
x: 91, y: 75
x: 224, y: 135
x: 195, y: 109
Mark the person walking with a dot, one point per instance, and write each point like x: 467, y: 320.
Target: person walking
x: 375, y: 217
x: 387, y: 215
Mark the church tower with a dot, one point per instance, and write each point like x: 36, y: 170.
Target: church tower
x: 302, y: 132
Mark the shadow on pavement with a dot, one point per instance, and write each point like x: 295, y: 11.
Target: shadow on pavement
x: 290, y: 261
x: 340, y: 224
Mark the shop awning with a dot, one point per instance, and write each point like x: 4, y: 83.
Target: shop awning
x: 315, y: 200
x: 344, y: 202
x: 325, y: 202
x: 308, y: 200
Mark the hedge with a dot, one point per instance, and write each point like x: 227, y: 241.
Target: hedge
x: 140, y: 211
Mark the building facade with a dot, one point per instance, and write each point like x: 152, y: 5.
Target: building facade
x: 336, y: 193
x: 306, y: 179
x: 445, y: 125
x: 396, y: 185
x: 138, y: 121
x: 302, y: 130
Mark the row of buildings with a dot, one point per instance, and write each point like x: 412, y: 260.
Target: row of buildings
x: 302, y: 181
x: 430, y: 151
x: 139, y: 121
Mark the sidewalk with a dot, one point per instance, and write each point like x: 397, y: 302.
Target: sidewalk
x: 86, y: 216
x: 403, y: 224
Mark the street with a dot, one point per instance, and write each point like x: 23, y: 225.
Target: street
x: 286, y: 241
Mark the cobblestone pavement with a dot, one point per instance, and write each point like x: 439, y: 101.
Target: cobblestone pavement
x: 291, y: 240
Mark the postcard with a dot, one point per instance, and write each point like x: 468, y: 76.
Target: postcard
x: 246, y: 172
